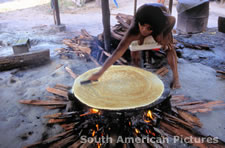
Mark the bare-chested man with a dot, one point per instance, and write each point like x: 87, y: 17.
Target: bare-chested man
x: 150, y: 20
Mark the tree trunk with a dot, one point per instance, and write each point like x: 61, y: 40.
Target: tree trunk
x: 106, y: 24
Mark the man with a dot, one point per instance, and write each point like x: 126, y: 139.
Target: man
x: 150, y: 19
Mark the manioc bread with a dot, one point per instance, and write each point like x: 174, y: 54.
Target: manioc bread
x: 119, y: 88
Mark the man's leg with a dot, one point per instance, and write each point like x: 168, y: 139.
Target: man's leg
x: 172, y: 60
x: 136, y: 58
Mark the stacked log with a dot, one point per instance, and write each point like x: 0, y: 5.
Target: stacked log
x: 124, y: 22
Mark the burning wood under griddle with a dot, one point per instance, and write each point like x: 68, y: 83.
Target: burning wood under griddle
x: 146, y: 123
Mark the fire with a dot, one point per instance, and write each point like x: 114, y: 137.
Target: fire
x: 137, y: 131
x: 149, y: 114
x: 94, y: 111
x: 93, y: 133
x: 129, y: 123
x: 97, y: 127
x: 99, y: 145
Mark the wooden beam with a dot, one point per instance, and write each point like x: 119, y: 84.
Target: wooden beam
x: 171, y: 6
x: 56, y: 12
x: 24, y: 59
x: 106, y: 24
x: 135, y: 6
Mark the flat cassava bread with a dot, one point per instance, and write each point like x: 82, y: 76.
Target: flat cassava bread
x: 119, y: 88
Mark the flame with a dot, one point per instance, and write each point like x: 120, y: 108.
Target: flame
x: 137, y: 131
x: 93, y: 133
x: 94, y: 111
x: 99, y: 145
x: 149, y: 114
x: 149, y: 131
x: 97, y: 127
x: 129, y: 123
x: 147, y: 121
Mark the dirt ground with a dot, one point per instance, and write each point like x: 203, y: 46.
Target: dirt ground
x: 22, y: 124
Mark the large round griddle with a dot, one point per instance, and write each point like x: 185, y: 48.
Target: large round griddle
x: 119, y: 88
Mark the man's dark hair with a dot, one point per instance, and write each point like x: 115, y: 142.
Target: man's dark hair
x: 153, y: 15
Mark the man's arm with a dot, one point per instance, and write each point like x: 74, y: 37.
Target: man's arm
x: 120, y: 50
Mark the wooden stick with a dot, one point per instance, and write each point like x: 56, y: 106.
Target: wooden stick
x: 221, y: 76
x: 62, y: 86
x: 160, y: 70
x: 42, y: 102
x: 72, y: 74
x: 50, y: 140
x: 53, y: 121
x: 57, y: 92
x: 189, y: 118
x: 219, y: 71
x: 190, y: 103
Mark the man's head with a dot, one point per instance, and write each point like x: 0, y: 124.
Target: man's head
x: 152, y: 15
x: 145, y: 29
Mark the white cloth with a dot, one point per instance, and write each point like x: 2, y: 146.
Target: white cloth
x: 184, y: 5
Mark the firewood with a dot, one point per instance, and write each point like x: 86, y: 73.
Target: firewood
x: 221, y: 76
x: 219, y: 71
x: 69, y: 43
x: 116, y: 36
x: 189, y: 103
x: 61, y: 86
x: 68, y: 126
x: 72, y: 74
x: 179, y: 131
x: 57, y: 98
x: 177, y: 120
x: 64, y: 142
x: 201, y: 110
x: 57, y: 92
x: 196, y: 46
x: 25, y: 59
x: 160, y: 70
x: 189, y: 118
x: 177, y: 99
x: 53, y: 115
x: 128, y: 18
x: 42, y: 102
x: 76, y: 144
x: 55, y: 107
x: 85, y: 49
x: 164, y: 72
x: 122, y: 22
x: 204, y: 105
x: 53, y: 121
x: 48, y: 141
x: 85, y: 33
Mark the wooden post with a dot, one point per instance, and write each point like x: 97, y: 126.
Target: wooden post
x: 221, y: 24
x: 135, y: 6
x: 55, y: 7
x: 171, y: 6
x: 106, y: 23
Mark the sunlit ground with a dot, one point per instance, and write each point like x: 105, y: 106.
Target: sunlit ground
x: 20, y: 4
